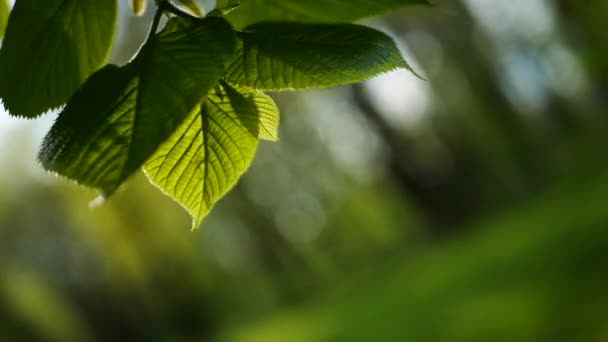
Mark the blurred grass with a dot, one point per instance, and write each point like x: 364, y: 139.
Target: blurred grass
x: 536, y: 272
x: 32, y: 299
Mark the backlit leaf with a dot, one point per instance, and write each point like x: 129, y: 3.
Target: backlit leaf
x: 3, y: 16
x: 223, y: 8
x: 284, y: 55
x: 192, y: 6
x: 251, y: 11
x: 208, y: 153
x: 49, y: 50
x: 138, y: 6
x: 121, y: 115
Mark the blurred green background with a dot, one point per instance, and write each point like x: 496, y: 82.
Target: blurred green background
x: 472, y: 206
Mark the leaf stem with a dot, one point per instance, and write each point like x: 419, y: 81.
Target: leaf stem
x: 160, y: 9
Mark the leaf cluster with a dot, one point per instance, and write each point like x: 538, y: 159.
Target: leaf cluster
x: 188, y: 108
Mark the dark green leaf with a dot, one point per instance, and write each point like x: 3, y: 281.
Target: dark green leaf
x: 283, y: 55
x: 120, y: 116
x: 212, y: 148
x: 50, y: 48
x: 251, y: 11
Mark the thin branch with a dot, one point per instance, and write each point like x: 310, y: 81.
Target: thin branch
x: 160, y: 9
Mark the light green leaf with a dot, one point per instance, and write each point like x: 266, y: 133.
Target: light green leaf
x: 3, y: 16
x: 334, y: 11
x: 49, y: 50
x: 222, y: 8
x: 192, y: 6
x: 208, y: 153
x: 283, y: 55
x: 121, y: 115
x: 138, y: 7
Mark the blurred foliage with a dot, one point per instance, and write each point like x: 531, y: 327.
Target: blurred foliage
x: 534, y: 273
x: 468, y: 207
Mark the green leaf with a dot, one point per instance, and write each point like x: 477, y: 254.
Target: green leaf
x: 49, y: 50
x: 226, y: 3
x: 3, y: 16
x: 251, y: 11
x: 212, y: 148
x: 138, y: 7
x: 221, y: 10
x: 121, y: 115
x: 192, y: 6
x: 283, y: 55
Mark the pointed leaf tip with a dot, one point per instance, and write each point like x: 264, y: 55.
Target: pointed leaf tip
x: 192, y: 6
x: 210, y: 151
x: 288, y: 55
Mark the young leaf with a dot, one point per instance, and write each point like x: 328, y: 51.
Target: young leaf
x: 120, y: 116
x: 208, y: 153
x: 138, y: 7
x: 284, y: 55
x: 251, y: 11
x: 50, y: 48
x: 3, y: 16
x: 192, y: 6
x: 223, y: 8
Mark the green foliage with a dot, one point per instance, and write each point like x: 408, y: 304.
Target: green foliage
x: 213, y: 147
x: 188, y: 105
x: 284, y: 55
x: 50, y: 48
x: 133, y: 109
x: 138, y: 6
x: 330, y: 11
x: 3, y: 16
x: 514, y: 276
x: 192, y: 6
